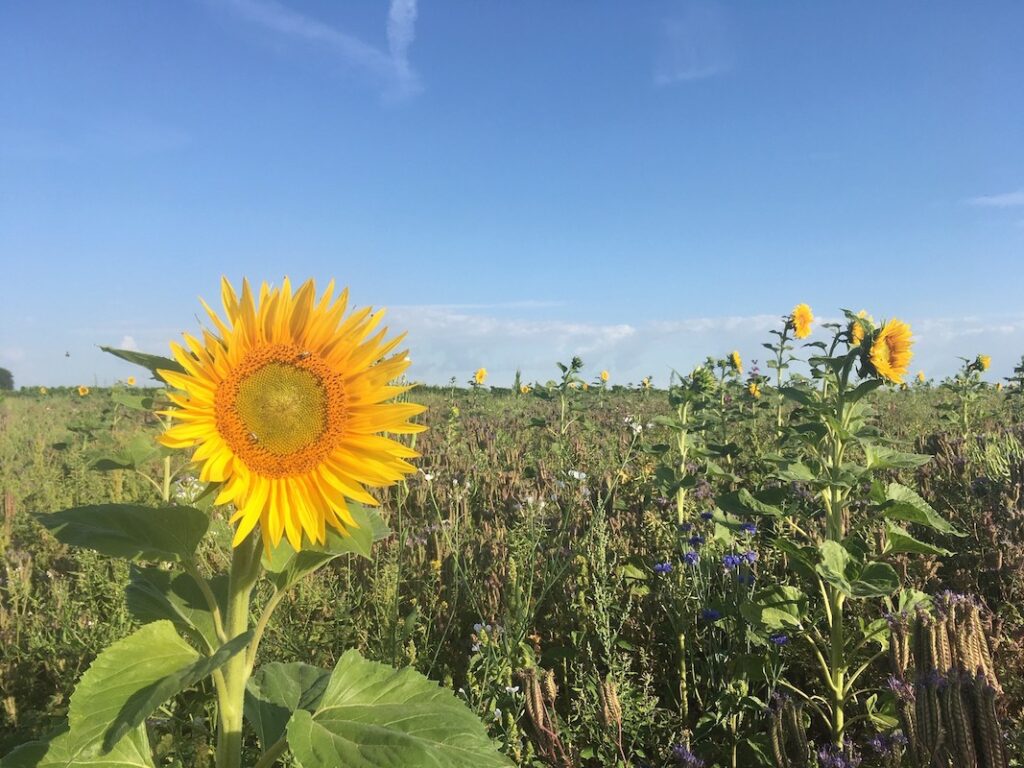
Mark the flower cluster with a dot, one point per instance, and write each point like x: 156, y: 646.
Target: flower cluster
x: 684, y: 757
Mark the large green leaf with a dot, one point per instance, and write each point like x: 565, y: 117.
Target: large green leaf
x: 276, y: 691
x: 285, y: 566
x: 373, y: 716
x: 898, y: 540
x: 154, y: 593
x: 883, y: 457
x: 835, y: 565
x: 130, y: 531
x: 130, y: 679
x: 133, y: 751
x: 902, y: 503
x: 776, y: 607
x: 744, y: 503
x: 151, y: 362
x: 876, y: 580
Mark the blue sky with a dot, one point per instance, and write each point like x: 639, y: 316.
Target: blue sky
x: 642, y: 184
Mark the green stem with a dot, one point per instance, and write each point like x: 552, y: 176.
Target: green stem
x: 273, y: 752
x: 245, y: 568
x: 166, y: 490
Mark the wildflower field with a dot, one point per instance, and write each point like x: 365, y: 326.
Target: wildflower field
x: 811, y: 559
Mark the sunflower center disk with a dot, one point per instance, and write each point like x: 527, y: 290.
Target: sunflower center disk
x: 283, y: 407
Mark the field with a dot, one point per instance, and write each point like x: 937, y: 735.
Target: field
x: 605, y: 575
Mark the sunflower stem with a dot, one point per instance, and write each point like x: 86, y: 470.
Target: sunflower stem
x: 245, y: 568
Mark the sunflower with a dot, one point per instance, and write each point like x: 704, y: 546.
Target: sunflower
x: 921, y: 377
x: 604, y: 376
x: 858, y: 325
x: 43, y: 391
x: 130, y: 381
x: 283, y: 406
x: 984, y: 361
x: 754, y: 390
x: 890, y: 351
x: 480, y: 376
x: 801, y: 320
x: 82, y: 390
x: 737, y: 361
x: 645, y: 382
x: 525, y: 390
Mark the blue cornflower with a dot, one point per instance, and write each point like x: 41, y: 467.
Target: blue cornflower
x: 684, y: 757
x: 710, y: 614
x: 663, y: 568
x: 696, y: 541
x: 706, y: 515
x: 691, y: 558
x: 749, y: 528
x: 731, y: 562
x: 779, y: 639
x: 685, y: 527
x: 750, y: 556
x: 745, y: 578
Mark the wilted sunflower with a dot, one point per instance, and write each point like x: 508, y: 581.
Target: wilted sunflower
x: 604, y: 376
x: 83, y: 391
x: 984, y: 361
x: 736, y: 361
x: 890, y: 351
x: 284, y: 404
x: 480, y: 376
x: 801, y: 320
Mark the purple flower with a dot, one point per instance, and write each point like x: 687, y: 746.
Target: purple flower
x: 749, y: 528
x: 779, y: 639
x: 685, y: 527
x: 706, y: 516
x: 710, y: 614
x: 663, y: 568
x: 750, y: 556
x: 731, y: 562
x: 745, y: 578
x: 691, y: 558
x: 904, y: 691
x: 696, y: 541
x: 838, y: 757
x: 683, y: 756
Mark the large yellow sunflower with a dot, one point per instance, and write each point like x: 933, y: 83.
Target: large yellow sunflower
x: 890, y: 351
x: 480, y: 376
x: 801, y: 320
x: 283, y: 405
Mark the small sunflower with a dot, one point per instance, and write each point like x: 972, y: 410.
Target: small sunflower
x: 890, y: 351
x: 83, y: 390
x: 858, y: 325
x: 921, y: 377
x: 736, y: 361
x: 604, y: 376
x: 130, y: 381
x: 43, y: 391
x: 754, y: 390
x: 999, y: 386
x: 480, y: 376
x: 524, y: 389
x: 801, y: 320
x: 983, y: 362
x: 645, y: 382
x: 284, y: 405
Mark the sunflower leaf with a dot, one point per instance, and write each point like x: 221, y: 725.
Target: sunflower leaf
x: 276, y: 691
x: 285, y: 566
x: 60, y: 751
x: 904, y: 504
x: 152, y: 363
x: 374, y: 716
x: 154, y: 594
x: 130, y: 531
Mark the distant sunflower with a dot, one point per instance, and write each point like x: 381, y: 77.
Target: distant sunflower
x: 736, y: 361
x: 480, y: 376
x: 284, y: 406
x: 984, y: 361
x: 130, y: 381
x: 43, y: 391
x: 604, y: 376
x: 754, y: 390
x: 83, y: 391
x: 524, y: 389
x: 890, y: 351
x: 801, y: 320
x: 921, y: 377
x: 645, y: 382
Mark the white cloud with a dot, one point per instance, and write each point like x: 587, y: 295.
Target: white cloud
x: 1004, y: 200
x: 391, y: 67
x: 128, y: 342
x: 696, y: 44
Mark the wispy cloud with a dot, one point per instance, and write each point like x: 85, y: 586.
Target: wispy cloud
x: 390, y: 67
x: 1004, y: 200
x: 696, y: 44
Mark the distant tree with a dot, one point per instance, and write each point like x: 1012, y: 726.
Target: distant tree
x: 6, y: 379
